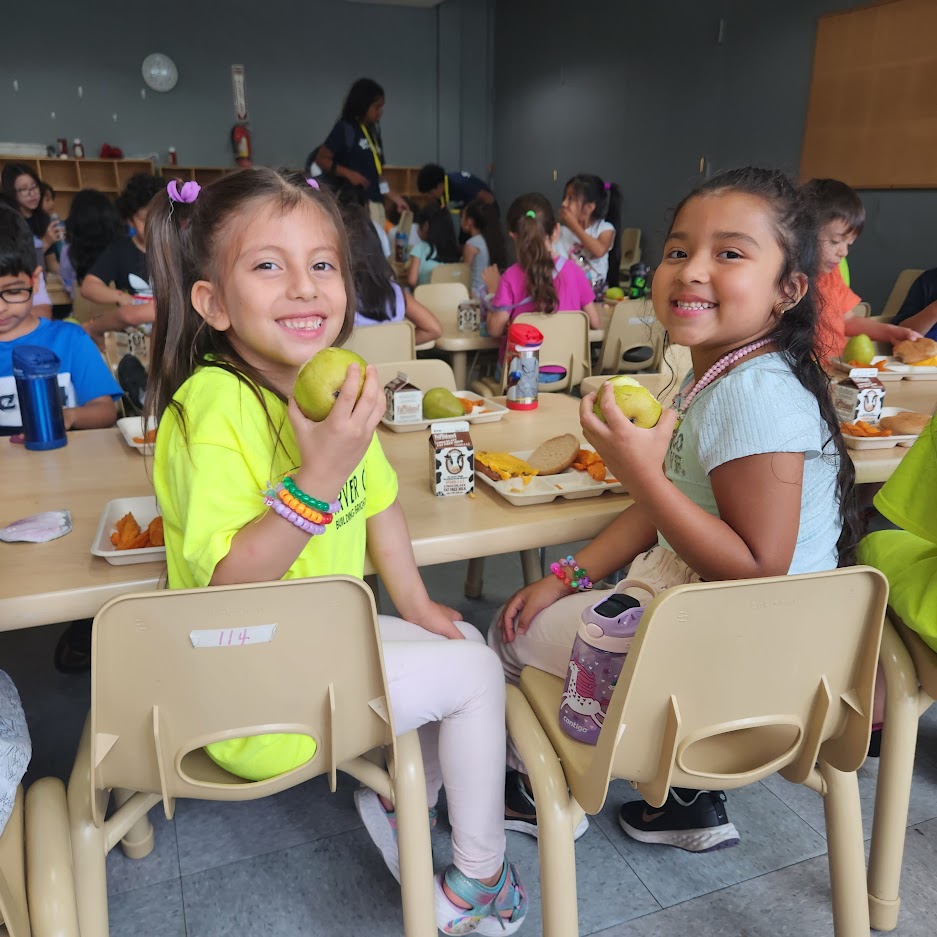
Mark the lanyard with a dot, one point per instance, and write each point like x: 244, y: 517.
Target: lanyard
x: 445, y: 199
x: 377, y: 159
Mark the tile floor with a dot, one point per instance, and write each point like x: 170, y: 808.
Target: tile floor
x: 301, y: 864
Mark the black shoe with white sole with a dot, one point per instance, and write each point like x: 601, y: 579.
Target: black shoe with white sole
x: 692, y: 820
x: 519, y: 800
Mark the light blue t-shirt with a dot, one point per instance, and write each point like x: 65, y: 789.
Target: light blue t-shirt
x: 427, y: 258
x: 759, y: 407
x: 479, y: 262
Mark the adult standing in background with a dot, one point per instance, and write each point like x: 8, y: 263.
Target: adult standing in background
x: 354, y: 150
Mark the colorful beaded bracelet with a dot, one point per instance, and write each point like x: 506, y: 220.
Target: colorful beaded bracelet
x: 296, y: 519
x: 322, y: 507
x: 570, y: 572
x: 294, y: 504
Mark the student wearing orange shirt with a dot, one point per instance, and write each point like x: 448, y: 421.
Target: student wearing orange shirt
x: 840, y: 218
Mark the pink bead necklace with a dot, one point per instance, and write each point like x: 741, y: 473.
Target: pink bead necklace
x: 726, y: 361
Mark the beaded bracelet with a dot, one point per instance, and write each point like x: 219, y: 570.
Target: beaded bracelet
x: 577, y: 578
x: 315, y: 516
x: 296, y: 519
x: 322, y: 507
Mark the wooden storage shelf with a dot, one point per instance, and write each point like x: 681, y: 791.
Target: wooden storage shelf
x: 68, y: 176
x: 402, y: 180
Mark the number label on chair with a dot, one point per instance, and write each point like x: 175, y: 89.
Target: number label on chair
x: 233, y: 637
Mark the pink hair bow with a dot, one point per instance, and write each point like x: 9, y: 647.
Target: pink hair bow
x: 187, y: 194
x: 313, y: 183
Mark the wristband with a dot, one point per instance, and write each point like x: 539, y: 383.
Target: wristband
x: 289, y: 483
x: 295, y: 519
x: 567, y: 570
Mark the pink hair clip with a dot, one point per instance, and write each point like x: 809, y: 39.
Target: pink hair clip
x: 607, y: 185
x: 313, y: 183
x: 188, y: 194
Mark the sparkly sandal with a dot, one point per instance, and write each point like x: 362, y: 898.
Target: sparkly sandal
x: 381, y: 825
x: 488, y: 903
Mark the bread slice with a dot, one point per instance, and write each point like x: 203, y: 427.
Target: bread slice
x: 916, y: 351
x: 499, y: 466
x: 905, y: 424
x: 555, y: 455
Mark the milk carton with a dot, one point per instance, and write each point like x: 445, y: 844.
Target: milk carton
x: 404, y: 400
x: 451, y: 458
x: 859, y: 397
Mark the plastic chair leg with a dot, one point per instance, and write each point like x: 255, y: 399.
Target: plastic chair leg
x: 532, y: 565
x: 89, y: 850
x: 846, y: 852
x: 413, y: 840
x: 139, y: 841
x: 49, y: 878
x: 555, y: 842
x: 893, y: 792
x: 474, y: 577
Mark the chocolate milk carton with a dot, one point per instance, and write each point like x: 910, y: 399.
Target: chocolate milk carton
x: 404, y: 400
x: 859, y: 397
x: 451, y: 459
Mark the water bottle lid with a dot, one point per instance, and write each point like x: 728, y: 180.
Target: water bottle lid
x: 524, y: 336
x: 30, y: 361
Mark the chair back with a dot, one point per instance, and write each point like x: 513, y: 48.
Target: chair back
x: 84, y: 310
x: 14, y: 913
x: 175, y: 670
x: 923, y: 655
x: 861, y: 311
x: 633, y: 340
x: 387, y: 341
x: 630, y: 248
x: 451, y: 273
x: 899, y: 293
x: 442, y: 300
x: 425, y: 373
x: 565, y: 344
x: 728, y: 682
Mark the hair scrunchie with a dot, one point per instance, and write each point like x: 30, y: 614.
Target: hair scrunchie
x: 187, y: 194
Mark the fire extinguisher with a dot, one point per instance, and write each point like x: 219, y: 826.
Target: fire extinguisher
x: 241, y: 144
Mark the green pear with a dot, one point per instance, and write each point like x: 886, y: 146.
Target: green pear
x: 439, y: 403
x: 859, y: 348
x: 615, y: 293
x: 636, y: 402
x: 320, y: 379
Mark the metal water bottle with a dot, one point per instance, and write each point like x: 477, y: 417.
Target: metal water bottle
x: 35, y: 370
x: 522, y: 362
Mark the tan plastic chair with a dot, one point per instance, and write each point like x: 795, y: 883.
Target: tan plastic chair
x: 565, y: 343
x: 37, y: 890
x: 84, y: 310
x: 625, y: 335
x: 910, y: 668
x: 725, y: 684
x: 442, y: 300
x: 424, y: 373
x: 451, y: 273
x: 390, y: 341
x: 157, y: 699
x: 131, y: 341
x: 899, y: 293
x: 861, y: 311
x: 663, y: 383
x: 630, y: 249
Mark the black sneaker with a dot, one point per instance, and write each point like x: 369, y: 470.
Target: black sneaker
x: 518, y: 799
x: 692, y: 820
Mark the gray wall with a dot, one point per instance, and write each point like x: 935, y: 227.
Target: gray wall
x: 638, y: 95
x: 300, y: 60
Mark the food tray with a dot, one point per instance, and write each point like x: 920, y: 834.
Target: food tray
x: 492, y: 412
x: 883, y: 442
x: 144, y: 510
x: 542, y: 489
x: 896, y: 370
x: 131, y: 426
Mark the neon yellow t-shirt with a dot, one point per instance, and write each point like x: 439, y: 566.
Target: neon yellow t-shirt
x: 209, y: 484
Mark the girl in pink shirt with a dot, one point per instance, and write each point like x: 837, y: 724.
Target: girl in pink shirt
x: 539, y: 281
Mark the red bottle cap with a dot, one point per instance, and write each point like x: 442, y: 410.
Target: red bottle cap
x: 524, y: 336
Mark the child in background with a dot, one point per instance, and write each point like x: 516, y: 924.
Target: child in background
x: 841, y: 217
x: 539, y: 281
x: 252, y: 277
x: 379, y: 298
x: 590, y: 228
x: 92, y: 224
x: 88, y: 388
x: 437, y: 244
x: 754, y: 481
x: 485, y: 244
x: 919, y: 309
x: 453, y: 190
x: 23, y: 188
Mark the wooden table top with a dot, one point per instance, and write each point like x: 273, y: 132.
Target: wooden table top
x: 61, y: 580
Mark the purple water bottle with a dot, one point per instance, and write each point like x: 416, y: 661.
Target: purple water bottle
x: 604, y: 639
x: 37, y: 388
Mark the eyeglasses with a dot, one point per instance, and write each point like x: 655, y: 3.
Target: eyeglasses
x: 32, y: 190
x: 16, y: 294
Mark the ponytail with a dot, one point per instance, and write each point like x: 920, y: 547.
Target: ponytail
x: 485, y: 217
x: 613, y: 216
x: 532, y: 222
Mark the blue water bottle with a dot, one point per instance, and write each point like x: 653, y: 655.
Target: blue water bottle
x: 36, y: 372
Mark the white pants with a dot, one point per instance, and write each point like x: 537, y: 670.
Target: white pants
x: 453, y: 692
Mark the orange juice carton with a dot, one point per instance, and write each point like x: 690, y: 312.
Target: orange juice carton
x: 404, y: 400
x: 451, y: 458
x: 859, y: 397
